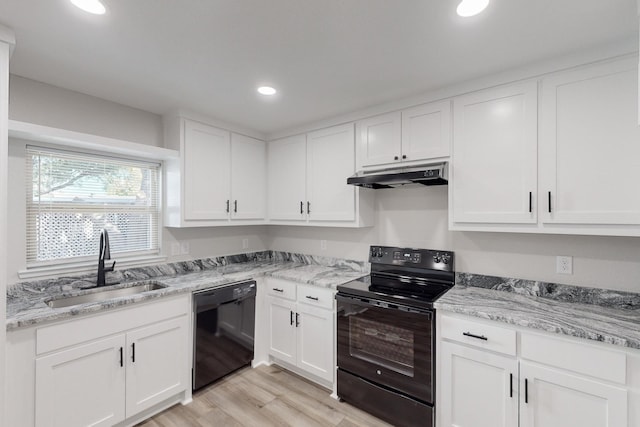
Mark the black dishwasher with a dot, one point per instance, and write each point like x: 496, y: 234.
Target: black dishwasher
x: 223, y: 325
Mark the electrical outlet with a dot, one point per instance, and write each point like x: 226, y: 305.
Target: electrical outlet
x: 323, y: 245
x: 564, y: 265
x: 184, y: 248
x: 175, y: 248
x: 245, y: 243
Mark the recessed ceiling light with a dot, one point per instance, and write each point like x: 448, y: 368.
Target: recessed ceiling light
x: 266, y: 90
x: 468, y: 8
x: 91, y: 6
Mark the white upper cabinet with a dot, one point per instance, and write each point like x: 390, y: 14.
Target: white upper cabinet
x: 206, y: 153
x: 287, y: 163
x: 219, y: 179
x: 248, y: 170
x: 426, y: 131
x: 590, y: 146
x: 569, y: 167
x: 494, y: 156
x: 330, y: 161
x: 308, y: 180
x: 410, y: 136
x: 379, y: 140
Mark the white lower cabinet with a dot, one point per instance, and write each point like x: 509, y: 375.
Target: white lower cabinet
x: 553, y: 398
x: 82, y: 386
x: 478, y: 388
x: 155, y: 365
x: 547, y: 381
x: 111, y: 368
x: 301, y: 328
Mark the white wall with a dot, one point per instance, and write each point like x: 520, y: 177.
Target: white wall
x: 417, y: 217
x: 35, y: 102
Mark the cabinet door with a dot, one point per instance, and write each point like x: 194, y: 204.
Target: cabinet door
x: 248, y: 177
x: 479, y: 388
x: 157, y: 365
x: 82, y: 386
x: 287, y: 178
x: 330, y: 161
x: 206, y: 156
x: 379, y: 140
x: 589, y: 146
x: 551, y: 398
x: 282, y: 329
x: 495, y: 155
x: 315, y: 341
x: 426, y: 131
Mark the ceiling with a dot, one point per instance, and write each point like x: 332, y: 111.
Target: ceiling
x: 326, y: 57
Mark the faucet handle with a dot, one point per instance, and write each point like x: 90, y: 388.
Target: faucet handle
x: 113, y: 266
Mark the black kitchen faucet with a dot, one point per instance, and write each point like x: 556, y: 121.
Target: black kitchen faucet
x: 104, y: 253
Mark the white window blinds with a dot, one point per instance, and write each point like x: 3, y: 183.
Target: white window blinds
x: 72, y: 196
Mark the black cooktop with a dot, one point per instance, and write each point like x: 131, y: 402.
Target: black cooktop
x: 414, y: 277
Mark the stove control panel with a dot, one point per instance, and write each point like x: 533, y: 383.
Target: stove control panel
x: 411, y: 257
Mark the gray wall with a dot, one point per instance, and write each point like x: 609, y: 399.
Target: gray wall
x: 418, y: 217
x: 408, y: 216
x: 34, y: 102
x: 42, y: 104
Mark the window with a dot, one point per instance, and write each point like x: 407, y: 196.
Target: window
x: 73, y: 196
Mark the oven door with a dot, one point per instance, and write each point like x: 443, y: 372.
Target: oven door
x: 387, y: 344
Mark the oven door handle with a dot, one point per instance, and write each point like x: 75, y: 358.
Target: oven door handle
x: 383, y: 305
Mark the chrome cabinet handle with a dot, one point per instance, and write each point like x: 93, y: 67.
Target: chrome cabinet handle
x: 480, y: 337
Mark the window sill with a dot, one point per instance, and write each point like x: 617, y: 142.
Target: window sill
x: 86, y: 267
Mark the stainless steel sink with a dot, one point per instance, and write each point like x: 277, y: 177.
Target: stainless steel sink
x: 97, y: 295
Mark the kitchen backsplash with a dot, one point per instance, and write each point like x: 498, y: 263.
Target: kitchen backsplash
x: 66, y: 283
x: 554, y: 291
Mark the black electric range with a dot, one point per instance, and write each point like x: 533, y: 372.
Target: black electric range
x: 386, y: 334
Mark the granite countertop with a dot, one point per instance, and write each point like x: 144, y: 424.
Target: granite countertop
x: 26, y: 303
x: 595, y: 314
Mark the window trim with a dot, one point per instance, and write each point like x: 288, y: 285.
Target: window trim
x: 86, y: 264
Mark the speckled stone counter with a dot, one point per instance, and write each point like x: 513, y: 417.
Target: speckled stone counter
x: 591, y: 313
x: 26, y: 302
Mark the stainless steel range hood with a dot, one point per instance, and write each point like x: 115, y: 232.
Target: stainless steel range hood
x: 428, y: 174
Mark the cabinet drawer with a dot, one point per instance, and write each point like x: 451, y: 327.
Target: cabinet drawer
x: 281, y: 288
x: 479, y: 334
x: 313, y: 295
x: 574, y: 356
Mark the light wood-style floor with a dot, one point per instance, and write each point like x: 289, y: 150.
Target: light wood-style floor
x: 265, y: 396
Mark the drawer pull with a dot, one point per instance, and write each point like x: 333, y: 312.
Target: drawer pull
x: 526, y: 391
x: 291, y: 318
x: 121, y: 358
x: 480, y: 337
x: 312, y: 298
x: 278, y: 290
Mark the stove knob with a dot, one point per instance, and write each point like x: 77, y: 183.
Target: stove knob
x: 445, y: 260
x: 436, y: 258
